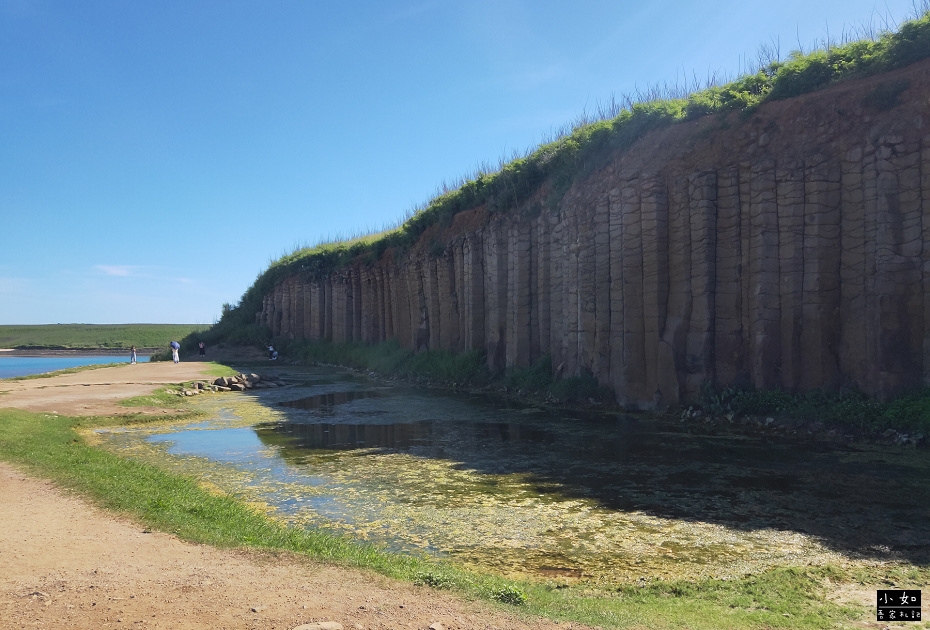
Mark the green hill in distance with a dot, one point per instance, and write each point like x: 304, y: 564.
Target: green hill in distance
x: 94, y: 336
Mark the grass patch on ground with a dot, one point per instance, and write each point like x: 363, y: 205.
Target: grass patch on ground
x: 853, y: 409
x: 159, y: 398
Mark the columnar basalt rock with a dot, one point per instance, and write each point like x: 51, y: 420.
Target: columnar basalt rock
x: 790, y: 249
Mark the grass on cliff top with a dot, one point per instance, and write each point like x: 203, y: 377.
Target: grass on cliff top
x: 554, y: 166
x: 96, y: 336
x: 791, y: 597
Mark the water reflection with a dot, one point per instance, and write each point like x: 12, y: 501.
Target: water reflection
x: 851, y: 497
x: 555, y: 494
x: 427, y: 438
x: 329, y: 400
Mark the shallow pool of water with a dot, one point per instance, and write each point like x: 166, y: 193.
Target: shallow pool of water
x: 553, y: 495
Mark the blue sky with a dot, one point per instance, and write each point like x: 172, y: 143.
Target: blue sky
x: 155, y: 157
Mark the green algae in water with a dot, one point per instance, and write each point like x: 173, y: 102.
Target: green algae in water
x: 518, y: 524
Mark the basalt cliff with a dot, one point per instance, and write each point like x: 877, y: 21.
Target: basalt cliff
x: 789, y: 248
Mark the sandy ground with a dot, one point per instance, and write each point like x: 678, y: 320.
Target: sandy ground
x: 67, y: 564
x: 96, y: 392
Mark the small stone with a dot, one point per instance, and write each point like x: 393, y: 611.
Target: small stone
x: 320, y: 625
x: 436, y: 626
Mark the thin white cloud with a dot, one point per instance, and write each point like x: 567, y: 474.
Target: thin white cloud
x: 117, y: 270
x: 13, y: 286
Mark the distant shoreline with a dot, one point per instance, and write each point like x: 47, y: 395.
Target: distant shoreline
x: 57, y: 352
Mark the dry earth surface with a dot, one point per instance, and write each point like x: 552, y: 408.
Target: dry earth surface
x: 68, y: 564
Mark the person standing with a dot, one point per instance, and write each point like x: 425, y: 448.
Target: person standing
x: 175, y: 346
x: 132, y: 355
x: 202, y: 349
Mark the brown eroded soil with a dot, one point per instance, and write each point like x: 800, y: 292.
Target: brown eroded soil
x: 67, y: 564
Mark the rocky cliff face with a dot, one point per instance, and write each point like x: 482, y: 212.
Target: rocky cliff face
x: 788, y: 249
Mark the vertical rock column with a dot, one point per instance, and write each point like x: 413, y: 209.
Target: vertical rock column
x: 762, y: 276
x: 355, y: 312
x: 400, y: 305
x: 297, y: 307
x: 854, y: 325
x: 632, y: 385
x: 309, y: 313
x: 700, y: 356
x: 385, y: 327
x: 820, y: 324
x: 264, y: 317
x: 729, y: 349
x: 617, y: 305
x: 457, y: 273
x: 600, y: 352
x: 419, y: 308
x: 473, y: 287
x: 671, y: 351
x: 433, y: 299
x: 317, y: 308
x: 571, y: 302
x: 277, y: 317
x: 342, y: 307
x: 584, y: 287
x: 654, y: 216
x: 791, y: 205
x: 925, y: 224
x: 367, y: 300
x: 495, y: 292
x: 543, y: 287
x: 558, y: 252
x: 329, y: 308
x: 448, y: 301
x: 907, y: 161
x: 898, y: 274
x: 517, y: 306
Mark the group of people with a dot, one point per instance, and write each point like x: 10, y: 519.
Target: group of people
x: 175, y: 350
x: 201, y: 348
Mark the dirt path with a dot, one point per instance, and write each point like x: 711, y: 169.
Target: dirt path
x: 64, y: 563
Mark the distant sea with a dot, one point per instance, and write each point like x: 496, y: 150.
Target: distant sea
x: 24, y: 366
